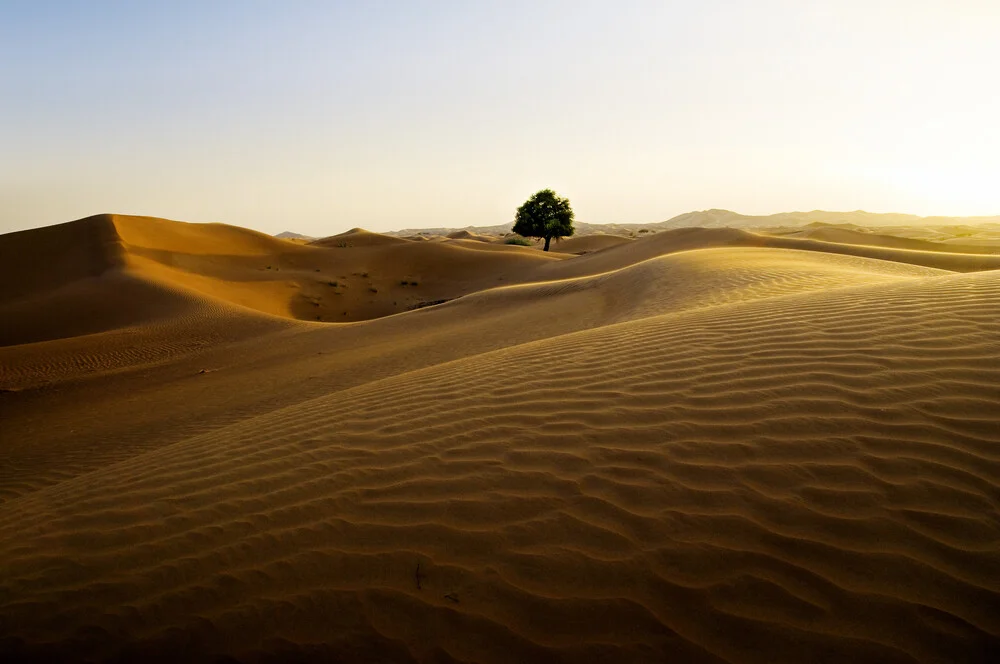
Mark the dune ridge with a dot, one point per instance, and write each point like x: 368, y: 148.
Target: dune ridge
x: 118, y: 270
x: 853, y: 236
x: 686, y: 239
x: 586, y: 244
x: 697, y: 447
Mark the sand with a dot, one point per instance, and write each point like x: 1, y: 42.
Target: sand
x: 704, y: 445
x: 585, y: 244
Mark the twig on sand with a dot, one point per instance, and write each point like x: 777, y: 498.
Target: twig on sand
x: 418, y: 576
x: 452, y: 596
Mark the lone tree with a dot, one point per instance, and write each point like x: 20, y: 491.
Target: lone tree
x: 544, y: 215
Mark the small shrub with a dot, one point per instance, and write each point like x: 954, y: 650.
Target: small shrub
x: 520, y: 241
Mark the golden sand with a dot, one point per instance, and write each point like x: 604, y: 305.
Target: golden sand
x: 704, y: 445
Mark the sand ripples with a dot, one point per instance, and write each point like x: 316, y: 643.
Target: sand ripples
x: 784, y: 479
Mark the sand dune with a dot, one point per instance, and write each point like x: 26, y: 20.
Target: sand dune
x: 585, y: 244
x: 466, y: 235
x: 87, y: 276
x: 707, y: 445
x: 114, y: 270
x: 358, y: 237
x: 852, y: 236
x: 686, y: 239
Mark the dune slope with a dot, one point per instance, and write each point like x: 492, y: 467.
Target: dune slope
x: 587, y: 243
x: 108, y: 272
x: 686, y: 239
x: 852, y: 236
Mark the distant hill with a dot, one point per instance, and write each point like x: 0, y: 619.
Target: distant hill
x: 289, y: 235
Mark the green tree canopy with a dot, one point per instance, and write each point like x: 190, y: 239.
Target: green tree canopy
x: 544, y: 215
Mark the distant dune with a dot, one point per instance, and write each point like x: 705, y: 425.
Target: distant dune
x: 701, y: 444
x: 853, y: 236
x: 289, y: 235
x: 357, y: 237
x: 466, y: 235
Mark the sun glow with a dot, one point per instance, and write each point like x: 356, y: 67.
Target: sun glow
x: 940, y: 189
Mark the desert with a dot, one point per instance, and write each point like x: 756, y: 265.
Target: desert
x: 548, y: 331
x: 696, y: 444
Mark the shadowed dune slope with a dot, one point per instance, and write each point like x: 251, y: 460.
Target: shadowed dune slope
x: 782, y: 479
x: 81, y: 278
x: 114, y: 301
x: 44, y: 259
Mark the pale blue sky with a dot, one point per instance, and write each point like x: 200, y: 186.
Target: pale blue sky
x: 321, y: 116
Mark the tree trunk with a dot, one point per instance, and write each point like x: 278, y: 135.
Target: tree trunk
x: 546, y: 244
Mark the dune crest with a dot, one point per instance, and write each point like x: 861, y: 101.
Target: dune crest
x: 358, y: 237
x: 586, y: 244
x: 853, y: 236
x: 118, y: 270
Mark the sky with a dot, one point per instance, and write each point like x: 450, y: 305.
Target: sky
x: 320, y: 116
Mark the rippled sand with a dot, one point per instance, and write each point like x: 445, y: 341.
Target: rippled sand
x: 698, y: 446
